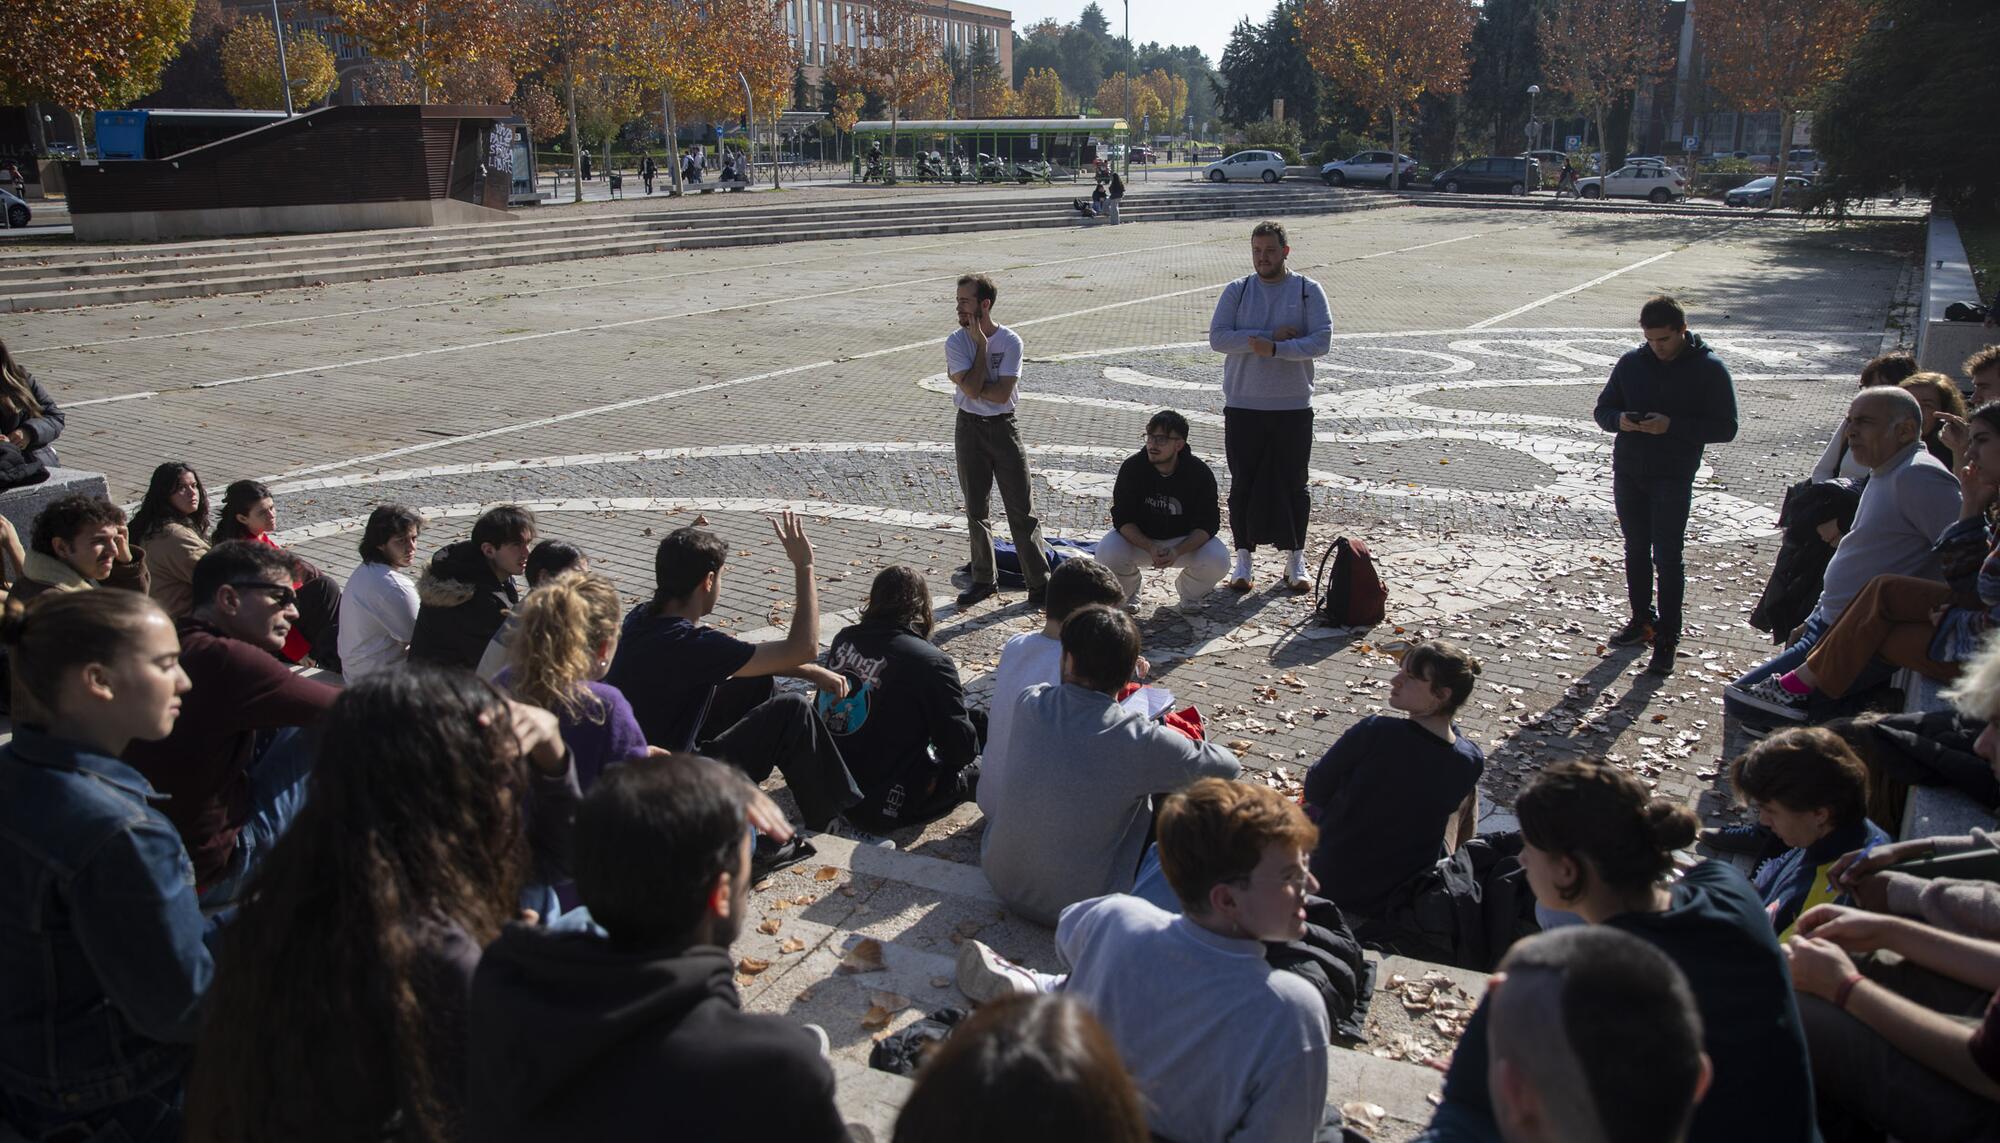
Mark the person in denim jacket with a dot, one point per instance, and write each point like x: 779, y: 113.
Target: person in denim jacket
x: 100, y: 933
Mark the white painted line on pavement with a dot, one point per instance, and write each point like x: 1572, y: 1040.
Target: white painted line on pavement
x: 1597, y: 281
x: 139, y: 396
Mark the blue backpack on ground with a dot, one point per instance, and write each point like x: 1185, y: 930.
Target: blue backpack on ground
x: 1007, y: 560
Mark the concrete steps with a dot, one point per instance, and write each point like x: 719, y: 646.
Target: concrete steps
x: 98, y: 276
x: 919, y: 910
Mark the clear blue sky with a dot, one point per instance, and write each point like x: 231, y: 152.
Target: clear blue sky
x: 1205, y: 25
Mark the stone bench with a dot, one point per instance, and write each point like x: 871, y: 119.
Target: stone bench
x: 1940, y: 811
x: 19, y: 505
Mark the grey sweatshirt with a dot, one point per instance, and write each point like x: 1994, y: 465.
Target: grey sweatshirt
x: 1251, y: 307
x: 1070, y: 821
x: 1224, y: 1048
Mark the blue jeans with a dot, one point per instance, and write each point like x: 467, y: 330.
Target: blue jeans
x: 1792, y: 657
x: 277, y: 794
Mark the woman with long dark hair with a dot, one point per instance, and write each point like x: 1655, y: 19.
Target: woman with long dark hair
x: 100, y: 931
x: 29, y: 418
x: 171, y: 526
x: 902, y: 726
x: 339, y: 1008
x: 249, y: 513
x: 1597, y: 844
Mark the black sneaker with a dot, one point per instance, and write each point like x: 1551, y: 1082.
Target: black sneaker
x: 976, y: 593
x: 1662, y: 662
x: 767, y: 856
x: 1769, y: 697
x: 1037, y: 596
x: 1750, y: 840
x: 1634, y: 633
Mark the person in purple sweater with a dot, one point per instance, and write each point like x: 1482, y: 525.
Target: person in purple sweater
x: 566, y: 633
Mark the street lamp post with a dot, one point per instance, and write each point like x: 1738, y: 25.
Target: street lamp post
x: 1128, y: 88
x: 284, y: 72
x: 1528, y: 160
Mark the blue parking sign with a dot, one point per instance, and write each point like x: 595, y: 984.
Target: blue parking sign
x: 1691, y: 144
x: 1573, y: 143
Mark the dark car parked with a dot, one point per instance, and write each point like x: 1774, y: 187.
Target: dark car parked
x: 1508, y: 175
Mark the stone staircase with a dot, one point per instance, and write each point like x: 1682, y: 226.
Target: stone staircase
x: 82, y: 275
x: 918, y: 910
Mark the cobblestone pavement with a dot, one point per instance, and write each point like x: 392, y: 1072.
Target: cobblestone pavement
x: 619, y: 397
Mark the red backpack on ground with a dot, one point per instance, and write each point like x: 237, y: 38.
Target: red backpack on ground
x: 1354, y: 595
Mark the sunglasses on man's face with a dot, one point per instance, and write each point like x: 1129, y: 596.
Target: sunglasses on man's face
x: 282, y: 594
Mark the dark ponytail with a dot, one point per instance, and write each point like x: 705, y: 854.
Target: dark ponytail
x: 1605, y: 820
x: 59, y: 631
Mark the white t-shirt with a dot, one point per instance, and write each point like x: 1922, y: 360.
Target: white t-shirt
x: 1024, y: 661
x: 378, y: 611
x: 1003, y: 359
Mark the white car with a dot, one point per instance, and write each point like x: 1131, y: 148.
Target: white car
x: 18, y: 213
x: 1266, y: 165
x: 1651, y: 181
x: 1366, y: 167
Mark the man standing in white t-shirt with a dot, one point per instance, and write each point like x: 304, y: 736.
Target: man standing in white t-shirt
x: 984, y: 361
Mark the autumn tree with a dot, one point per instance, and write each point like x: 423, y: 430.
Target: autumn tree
x: 87, y: 54
x: 429, y: 38
x: 1042, y: 93
x: 1111, y: 98
x: 250, y: 66
x: 673, y: 48
x: 1776, y: 55
x: 845, y: 114
x: 900, y: 59
x: 572, y: 38
x: 541, y: 110
x: 1171, y: 93
x: 1387, y: 53
x: 1599, y: 51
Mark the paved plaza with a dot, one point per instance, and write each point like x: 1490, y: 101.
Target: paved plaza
x: 620, y: 397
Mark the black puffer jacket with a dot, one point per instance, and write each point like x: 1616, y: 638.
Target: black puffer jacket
x: 461, y: 603
x: 1800, y: 569
x: 1694, y: 392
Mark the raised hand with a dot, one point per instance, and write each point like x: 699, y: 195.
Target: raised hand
x: 792, y: 534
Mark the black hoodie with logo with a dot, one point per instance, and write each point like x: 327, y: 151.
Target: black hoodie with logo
x: 574, y: 1037
x: 1695, y: 393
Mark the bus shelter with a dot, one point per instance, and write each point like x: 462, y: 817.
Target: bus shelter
x: 1069, y: 145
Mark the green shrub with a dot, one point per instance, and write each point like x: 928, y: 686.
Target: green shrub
x: 1281, y: 136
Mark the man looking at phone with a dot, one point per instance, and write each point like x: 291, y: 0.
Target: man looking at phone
x: 1665, y: 400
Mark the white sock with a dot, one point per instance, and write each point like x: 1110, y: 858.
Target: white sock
x: 1295, y: 564
x: 1242, y: 569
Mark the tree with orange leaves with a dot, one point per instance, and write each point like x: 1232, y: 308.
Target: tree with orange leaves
x: 1385, y: 53
x: 1600, y: 50
x: 1111, y: 99
x: 87, y: 54
x: 1775, y: 55
x: 1042, y: 93
x: 429, y: 37
x: 900, y: 59
x: 673, y: 47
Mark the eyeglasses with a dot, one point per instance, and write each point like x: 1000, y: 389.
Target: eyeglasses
x: 281, y: 593
x: 1295, y: 881
x: 1162, y: 438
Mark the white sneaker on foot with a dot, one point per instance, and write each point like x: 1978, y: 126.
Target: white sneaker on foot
x: 1239, y: 576
x: 985, y: 975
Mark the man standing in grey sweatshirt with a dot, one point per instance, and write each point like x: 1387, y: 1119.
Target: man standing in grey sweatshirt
x: 1271, y: 325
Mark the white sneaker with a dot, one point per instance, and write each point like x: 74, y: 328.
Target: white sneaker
x: 1239, y: 576
x: 985, y: 976
x: 1295, y: 564
x: 841, y: 827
